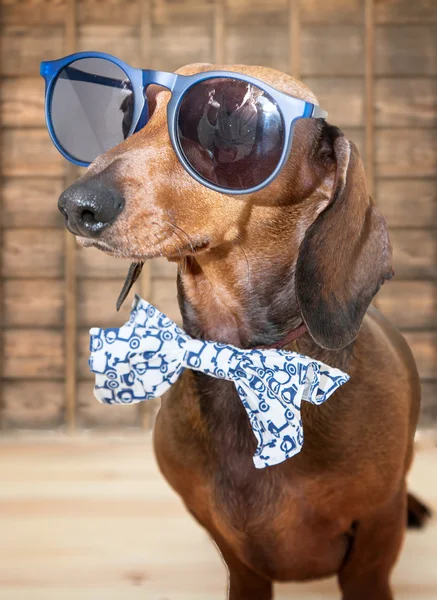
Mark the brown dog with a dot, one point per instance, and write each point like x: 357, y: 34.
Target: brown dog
x: 309, y: 248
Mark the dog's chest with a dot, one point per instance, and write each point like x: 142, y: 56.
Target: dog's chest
x: 205, y: 448
x: 278, y: 530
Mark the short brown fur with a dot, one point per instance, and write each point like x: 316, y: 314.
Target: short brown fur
x: 309, y: 247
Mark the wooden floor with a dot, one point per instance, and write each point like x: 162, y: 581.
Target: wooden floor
x: 92, y: 519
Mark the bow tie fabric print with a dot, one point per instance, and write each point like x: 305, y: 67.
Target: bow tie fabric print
x: 143, y: 358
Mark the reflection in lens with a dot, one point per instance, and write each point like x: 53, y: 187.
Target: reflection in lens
x: 231, y: 132
x: 91, y: 108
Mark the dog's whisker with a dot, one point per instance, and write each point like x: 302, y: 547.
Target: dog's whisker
x: 176, y: 227
x: 183, y: 262
x: 236, y: 243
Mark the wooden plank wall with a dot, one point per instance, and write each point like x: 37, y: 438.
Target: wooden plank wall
x: 383, y: 95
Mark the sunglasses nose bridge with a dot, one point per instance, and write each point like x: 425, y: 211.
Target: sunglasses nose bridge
x: 162, y: 78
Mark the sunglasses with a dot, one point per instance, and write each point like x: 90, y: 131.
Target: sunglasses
x: 231, y: 132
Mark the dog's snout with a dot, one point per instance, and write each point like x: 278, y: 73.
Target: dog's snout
x: 90, y: 207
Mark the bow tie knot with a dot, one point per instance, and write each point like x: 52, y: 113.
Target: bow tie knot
x: 143, y: 358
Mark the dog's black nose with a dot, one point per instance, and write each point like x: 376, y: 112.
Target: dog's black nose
x: 90, y: 207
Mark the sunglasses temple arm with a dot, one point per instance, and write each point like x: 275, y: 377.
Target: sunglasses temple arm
x: 318, y: 113
x: 77, y: 75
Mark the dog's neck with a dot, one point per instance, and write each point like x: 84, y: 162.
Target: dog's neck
x: 238, y: 297
x: 248, y: 300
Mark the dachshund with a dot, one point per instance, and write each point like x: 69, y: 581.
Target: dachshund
x: 307, y: 253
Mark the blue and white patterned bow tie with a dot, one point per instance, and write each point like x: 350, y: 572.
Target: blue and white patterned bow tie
x: 142, y: 359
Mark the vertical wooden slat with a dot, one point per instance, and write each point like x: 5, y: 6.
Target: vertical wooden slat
x: 369, y: 84
x: 2, y: 300
x: 294, y: 28
x: 146, y: 409
x: 219, y: 32
x: 369, y: 30
x: 70, y: 320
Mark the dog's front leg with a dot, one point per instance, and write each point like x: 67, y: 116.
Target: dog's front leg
x: 375, y: 548
x: 244, y: 584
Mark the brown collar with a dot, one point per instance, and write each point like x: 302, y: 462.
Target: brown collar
x: 290, y: 337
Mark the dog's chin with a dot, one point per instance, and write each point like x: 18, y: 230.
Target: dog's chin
x: 171, y: 253
x: 106, y: 248
x: 90, y: 243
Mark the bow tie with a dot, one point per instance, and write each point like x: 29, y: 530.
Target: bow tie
x: 144, y: 357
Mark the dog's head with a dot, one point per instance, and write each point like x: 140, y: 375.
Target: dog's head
x: 137, y: 201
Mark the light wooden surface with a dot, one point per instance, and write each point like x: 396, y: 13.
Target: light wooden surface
x: 90, y: 518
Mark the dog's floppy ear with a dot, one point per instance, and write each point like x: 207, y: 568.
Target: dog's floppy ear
x: 345, y: 255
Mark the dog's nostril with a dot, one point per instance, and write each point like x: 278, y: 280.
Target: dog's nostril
x: 88, y: 217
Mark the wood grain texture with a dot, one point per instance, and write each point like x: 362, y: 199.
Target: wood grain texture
x: 428, y: 410
x: 167, y: 42
x: 30, y: 153
x: 414, y: 253
x: 33, y: 404
x: 406, y: 152
x: 23, y: 47
x: 95, y: 264
x: 247, y: 46
x: 22, y: 102
x: 407, y: 203
x: 121, y: 40
x: 33, y: 303
x: 34, y: 354
x: 96, y: 303
x: 246, y: 14
x: 30, y: 253
x: 31, y: 203
x: 332, y: 51
x: 406, y: 50
x: 424, y: 347
x: 409, y: 304
x: 406, y: 12
x: 342, y: 98
x: 42, y: 12
x: 369, y: 92
x: 118, y: 532
x: 336, y: 12
x: 176, y: 13
x: 398, y: 50
x: 166, y: 34
x: 219, y: 31
x: 32, y: 12
x: 108, y: 12
x: 70, y: 266
x: 406, y: 102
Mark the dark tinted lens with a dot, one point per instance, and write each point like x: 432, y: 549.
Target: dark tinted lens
x: 231, y: 132
x: 92, y: 107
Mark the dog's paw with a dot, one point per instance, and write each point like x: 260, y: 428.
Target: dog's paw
x: 418, y: 513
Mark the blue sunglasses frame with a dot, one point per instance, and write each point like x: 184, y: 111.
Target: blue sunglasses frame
x: 291, y: 109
